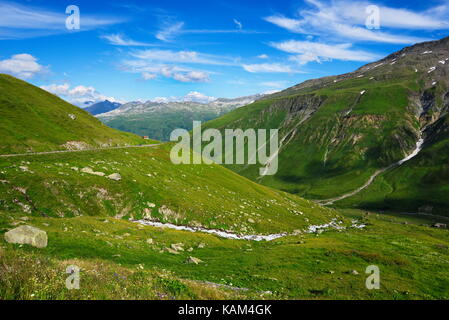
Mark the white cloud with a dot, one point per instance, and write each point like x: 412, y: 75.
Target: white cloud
x: 184, y: 56
x: 195, y: 96
x: 306, y: 51
x: 23, y: 66
x: 121, y: 40
x: 268, y: 68
x: 149, y: 70
x: 20, y: 21
x: 169, y: 31
x: 262, y: 56
x: 191, y: 76
x: 79, y: 95
x: 346, y: 20
x: 238, y: 24
x: 292, y: 25
x: 148, y: 76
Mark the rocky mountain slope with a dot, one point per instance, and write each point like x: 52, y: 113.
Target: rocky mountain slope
x: 158, y: 119
x: 34, y: 120
x: 102, y: 107
x: 342, y: 131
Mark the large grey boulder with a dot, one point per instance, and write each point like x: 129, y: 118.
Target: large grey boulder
x: 27, y: 235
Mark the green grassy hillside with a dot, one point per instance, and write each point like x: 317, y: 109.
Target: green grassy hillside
x: 198, y: 195
x: 340, y: 130
x: 34, y: 120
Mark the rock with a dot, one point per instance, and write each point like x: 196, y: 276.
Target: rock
x: 177, y: 246
x: 115, y: 176
x: 439, y: 225
x: 354, y: 272
x: 170, y: 250
x: 150, y: 205
x: 72, y: 116
x: 201, y: 245
x: 24, y: 218
x: 193, y: 260
x: 27, y: 235
x: 90, y: 171
x: 146, y: 214
x: 251, y: 220
x: 150, y: 241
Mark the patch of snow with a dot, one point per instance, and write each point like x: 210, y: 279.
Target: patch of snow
x: 432, y: 69
x: 362, y: 92
x: 427, y: 52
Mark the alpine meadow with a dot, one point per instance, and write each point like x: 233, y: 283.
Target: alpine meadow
x: 227, y: 151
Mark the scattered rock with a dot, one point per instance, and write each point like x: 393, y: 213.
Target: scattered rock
x: 201, y: 245
x: 150, y: 241
x: 193, y: 260
x: 76, y: 145
x: 170, y: 250
x: 72, y: 116
x: 115, y: 176
x: 354, y: 272
x: 27, y: 235
x: 177, y: 246
x: 251, y: 220
x: 90, y: 171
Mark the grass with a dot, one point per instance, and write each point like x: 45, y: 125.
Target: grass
x: 118, y: 263
x: 200, y: 195
x: 342, y: 137
x: 35, y: 120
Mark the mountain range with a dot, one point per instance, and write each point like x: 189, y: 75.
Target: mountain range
x: 158, y: 119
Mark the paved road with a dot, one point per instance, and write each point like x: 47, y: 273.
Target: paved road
x: 66, y: 151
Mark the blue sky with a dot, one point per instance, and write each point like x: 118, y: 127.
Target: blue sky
x: 141, y: 50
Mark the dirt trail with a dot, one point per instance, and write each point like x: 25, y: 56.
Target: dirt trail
x: 66, y: 151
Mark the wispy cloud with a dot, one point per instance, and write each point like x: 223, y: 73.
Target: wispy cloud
x: 24, y: 66
x: 150, y: 70
x: 170, y: 30
x: 183, y: 56
x: 306, y: 51
x: 269, y: 68
x: 238, y: 24
x: 122, y: 40
x: 23, y: 21
x: 346, y: 20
